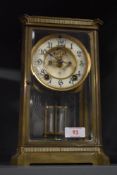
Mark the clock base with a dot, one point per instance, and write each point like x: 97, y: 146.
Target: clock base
x: 37, y: 155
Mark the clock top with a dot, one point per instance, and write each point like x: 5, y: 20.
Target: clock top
x: 61, y: 22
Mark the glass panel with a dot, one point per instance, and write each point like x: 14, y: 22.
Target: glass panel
x: 36, y: 115
x: 55, y: 121
x: 49, y: 121
x: 60, y: 116
x: 51, y: 112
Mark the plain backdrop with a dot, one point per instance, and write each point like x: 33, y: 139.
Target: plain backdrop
x: 10, y: 52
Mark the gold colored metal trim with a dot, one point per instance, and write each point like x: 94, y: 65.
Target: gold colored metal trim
x: 60, y: 21
x: 60, y: 149
x: 34, y: 155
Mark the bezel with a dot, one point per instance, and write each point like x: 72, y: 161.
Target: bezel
x: 79, y: 44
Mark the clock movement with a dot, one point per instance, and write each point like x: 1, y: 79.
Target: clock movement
x: 60, y: 120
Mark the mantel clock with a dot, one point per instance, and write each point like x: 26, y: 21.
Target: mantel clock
x: 60, y: 95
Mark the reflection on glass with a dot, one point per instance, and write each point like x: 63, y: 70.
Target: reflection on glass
x: 49, y: 120
x: 55, y: 117
x: 60, y: 116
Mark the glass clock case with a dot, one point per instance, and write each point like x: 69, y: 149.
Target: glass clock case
x: 60, y: 105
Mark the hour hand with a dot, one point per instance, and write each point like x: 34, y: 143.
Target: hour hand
x: 69, y: 63
x: 52, y: 62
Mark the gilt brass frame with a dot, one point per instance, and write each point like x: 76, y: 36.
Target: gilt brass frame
x: 83, y: 151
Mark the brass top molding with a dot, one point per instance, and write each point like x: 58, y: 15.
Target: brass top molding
x: 61, y: 22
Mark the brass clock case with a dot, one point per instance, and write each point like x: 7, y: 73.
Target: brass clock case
x: 45, y: 113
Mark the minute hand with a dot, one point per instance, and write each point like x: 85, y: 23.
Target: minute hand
x: 68, y: 63
x: 52, y: 55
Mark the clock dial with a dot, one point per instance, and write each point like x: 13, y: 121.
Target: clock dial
x: 60, y: 62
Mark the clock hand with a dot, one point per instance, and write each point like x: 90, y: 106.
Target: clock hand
x: 58, y: 57
x: 67, y: 65
x: 58, y: 60
x: 69, y: 62
x: 52, y: 55
x: 50, y: 62
x: 58, y: 63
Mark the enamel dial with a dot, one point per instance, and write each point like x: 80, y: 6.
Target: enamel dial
x: 60, y: 62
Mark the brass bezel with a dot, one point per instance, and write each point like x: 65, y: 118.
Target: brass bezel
x: 87, y: 57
